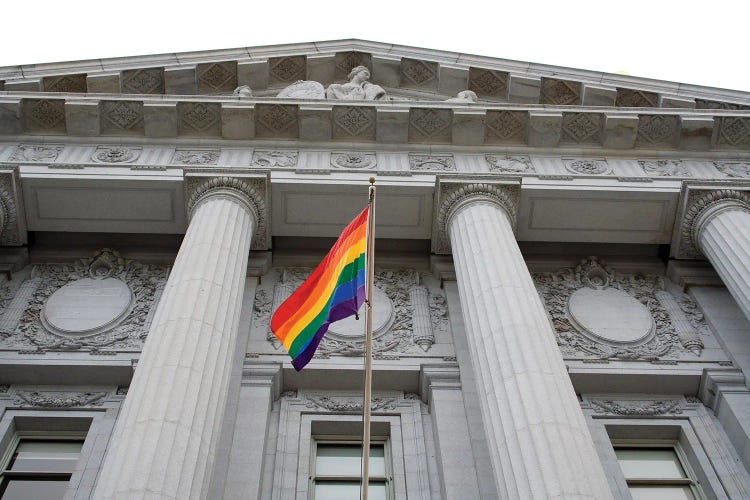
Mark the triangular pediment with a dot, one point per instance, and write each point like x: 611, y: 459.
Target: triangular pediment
x: 408, y: 73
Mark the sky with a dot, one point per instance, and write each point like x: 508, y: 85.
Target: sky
x: 688, y: 41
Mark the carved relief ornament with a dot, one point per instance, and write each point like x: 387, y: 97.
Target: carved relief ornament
x: 58, y: 399
x: 454, y: 194
x: 702, y: 205
x: 251, y: 191
x: 12, y: 228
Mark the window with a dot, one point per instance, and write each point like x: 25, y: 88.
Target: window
x: 656, y: 471
x: 337, y: 469
x: 39, y: 467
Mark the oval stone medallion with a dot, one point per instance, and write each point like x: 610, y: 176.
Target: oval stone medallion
x: 87, y: 306
x: 351, y: 328
x: 610, y: 315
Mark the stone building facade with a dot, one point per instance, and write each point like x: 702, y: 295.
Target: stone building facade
x: 562, y: 277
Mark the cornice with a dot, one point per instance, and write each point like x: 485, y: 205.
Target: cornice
x: 699, y: 203
x: 249, y: 189
x: 453, y: 193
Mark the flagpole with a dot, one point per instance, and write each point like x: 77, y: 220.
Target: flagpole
x: 370, y: 277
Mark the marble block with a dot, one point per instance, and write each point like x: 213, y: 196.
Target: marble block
x: 314, y: 123
x: 10, y: 117
x: 544, y: 129
x: 386, y: 71
x: 82, y: 118
x: 31, y: 85
x: 524, y: 89
x: 253, y: 73
x: 696, y: 132
x: 321, y: 68
x: 620, y: 132
x: 237, y: 122
x: 452, y: 80
x: 594, y: 95
x: 392, y: 125
x: 673, y: 101
x: 103, y: 83
x: 468, y: 127
x: 160, y: 120
x: 180, y: 81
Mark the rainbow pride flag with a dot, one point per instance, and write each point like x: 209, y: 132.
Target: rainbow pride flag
x: 335, y: 290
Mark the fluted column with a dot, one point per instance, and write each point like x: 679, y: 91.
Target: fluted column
x: 539, y: 443
x: 718, y: 223
x: 165, y: 439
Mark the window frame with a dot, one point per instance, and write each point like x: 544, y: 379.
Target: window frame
x: 350, y: 440
x: 690, y: 479
x: 28, y: 435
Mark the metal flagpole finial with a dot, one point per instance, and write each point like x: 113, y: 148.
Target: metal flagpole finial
x: 372, y: 180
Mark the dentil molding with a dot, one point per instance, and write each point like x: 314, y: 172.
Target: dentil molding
x: 452, y: 193
x: 250, y: 189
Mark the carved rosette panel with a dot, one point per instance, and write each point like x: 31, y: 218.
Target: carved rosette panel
x: 430, y: 125
x: 630, y: 98
x: 276, y: 120
x: 488, y: 83
x: 122, y: 117
x: 115, y: 154
x: 354, y: 122
x: 418, y: 74
x: 142, y: 81
x: 657, y: 130
x: 561, y: 92
x: 582, y: 128
x: 44, y: 115
x: 594, y: 283
x: 126, y: 332
x: 733, y: 131
x: 65, y: 83
x: 395, y: 332
x: 346, y: 61
x: 354, y: 161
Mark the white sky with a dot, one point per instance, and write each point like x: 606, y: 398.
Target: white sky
x: 689, y: 41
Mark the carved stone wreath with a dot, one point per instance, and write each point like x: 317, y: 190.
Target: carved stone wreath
x: 556, y: 289
x: 357, y: 161
x: 399, y: 338
x: 127, y: 334
x: 105, y: 154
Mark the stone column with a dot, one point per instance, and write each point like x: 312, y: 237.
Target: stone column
x: 540, y: 446
x: 165, y: 439
x: 717, y: 223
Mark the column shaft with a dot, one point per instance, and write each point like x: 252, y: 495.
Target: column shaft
x: 539, y: 443
x: 165, y: 440
x: 724, y: 239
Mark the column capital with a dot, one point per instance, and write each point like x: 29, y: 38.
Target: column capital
x: 699, y: 204
x: 249, y: 189
x: 453, y: 193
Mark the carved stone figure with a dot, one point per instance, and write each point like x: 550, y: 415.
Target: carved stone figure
x: 303, y: 89
x: 358, y: 88
x: 466, y: 96
x: 243, y: 91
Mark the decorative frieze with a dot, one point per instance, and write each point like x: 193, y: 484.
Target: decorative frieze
x: 418, y: 74
x: 430, y: 125
x: 199, y: 118
x: 516, y: 164
x: 561, y: 92
x: 347, y: 404
x: 637, y: 408
x: 142, y: 81
x: 12, y: 221
x: 115, y: 154
x: 274, y: 159
x: 432, y: 163
x: 598, y: 313
x: 733, y: 169
x: 354, y: 122
x: 733, y: 131
x: 582, y: 128
x: 65, y: 83
x: 587, y: 167
x: 657, y: 130
x: 488, y: 83
x: 664, y: 168
x: 505, y: 126
x: 217, y: 76
x: 196, y: 156
x: 288, y: 69
x: 36, y: 153
x: 44, y: 115
x: 57, y: 399
x: 276, y: 120
x: 354, y: 161
x: 121, y: 117
x: 631, y: 98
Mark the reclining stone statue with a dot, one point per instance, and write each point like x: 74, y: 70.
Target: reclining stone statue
x: 358, y: 88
